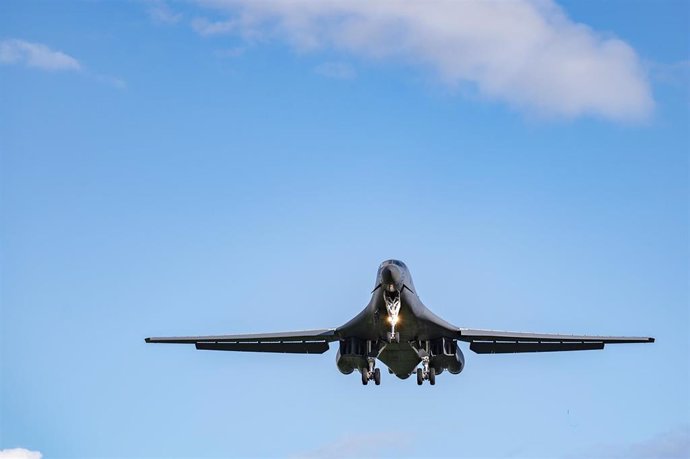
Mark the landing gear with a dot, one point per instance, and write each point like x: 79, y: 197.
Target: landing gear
x: 427, y: 372
x: 425, y: 366
x: 371, y: 372
x: 393, y: 307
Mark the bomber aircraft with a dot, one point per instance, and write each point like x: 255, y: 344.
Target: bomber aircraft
x: 397, y: 329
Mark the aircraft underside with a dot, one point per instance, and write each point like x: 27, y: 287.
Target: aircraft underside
x: 404, y: 346
x: 401, y: 359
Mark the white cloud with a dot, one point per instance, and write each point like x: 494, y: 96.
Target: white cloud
x: 338, y: 70
x: 161, y: 13
x: 19, y: 453
x: 523, y: 52
x: 20, y: 52
x: 14, y: 51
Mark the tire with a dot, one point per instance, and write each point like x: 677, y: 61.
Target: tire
x: 420, y: 377
x: 432, y: 376
x: 365, y: 377
x: 377, y: 376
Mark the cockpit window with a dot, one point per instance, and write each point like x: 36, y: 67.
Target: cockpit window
x: 393, y: 262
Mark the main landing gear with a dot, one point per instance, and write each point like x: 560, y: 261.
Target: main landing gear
x: 371, y: 373
x: 426, y: 372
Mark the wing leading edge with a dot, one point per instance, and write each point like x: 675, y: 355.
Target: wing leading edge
x: 505, y: 342
x: 297, y: 342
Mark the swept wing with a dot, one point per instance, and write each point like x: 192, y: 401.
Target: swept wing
x: 295, y: 342
x: 507, y: 342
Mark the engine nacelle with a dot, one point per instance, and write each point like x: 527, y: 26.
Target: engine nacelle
x: 458, y: 364
x: 446, y: 355
x: 351, y: 355
x: 345, y: 365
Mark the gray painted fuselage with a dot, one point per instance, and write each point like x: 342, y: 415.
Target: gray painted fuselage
x: 416, y: 322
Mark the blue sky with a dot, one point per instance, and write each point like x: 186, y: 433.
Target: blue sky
x: 206, y: 168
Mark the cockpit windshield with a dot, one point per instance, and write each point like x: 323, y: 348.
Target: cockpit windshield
x: 393, y: 262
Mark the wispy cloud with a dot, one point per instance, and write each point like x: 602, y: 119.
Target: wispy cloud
x: 526, y: 53
x: 19, y: 453
x: 360, y: 445
x: 15, y: 51
x: 673, y: 444
x: 115, y: 82
x: 20, y: 52
x: 338, y: 70
x: 206, y: 28
x: 161, y: 13
x: 676, y: 73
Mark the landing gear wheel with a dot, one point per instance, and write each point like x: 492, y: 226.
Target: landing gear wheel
x: 377, y: 376
x: 365, y: 377
x: 420, y: 377
x: 432, y: 376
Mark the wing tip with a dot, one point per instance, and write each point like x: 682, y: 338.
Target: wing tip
x: 147, y: 340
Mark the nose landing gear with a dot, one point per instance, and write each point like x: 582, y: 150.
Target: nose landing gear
x: 393, y: 307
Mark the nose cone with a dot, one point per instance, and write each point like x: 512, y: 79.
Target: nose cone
x: 391, y: 277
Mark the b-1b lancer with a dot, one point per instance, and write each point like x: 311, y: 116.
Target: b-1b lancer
x: 397, y: 329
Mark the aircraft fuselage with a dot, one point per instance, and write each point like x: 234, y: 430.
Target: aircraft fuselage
x: 418, y: 332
